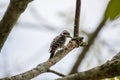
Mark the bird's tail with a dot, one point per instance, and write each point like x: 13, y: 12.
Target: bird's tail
x: 52, y: 52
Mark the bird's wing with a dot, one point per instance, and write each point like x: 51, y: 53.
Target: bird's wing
x: 54, y: 42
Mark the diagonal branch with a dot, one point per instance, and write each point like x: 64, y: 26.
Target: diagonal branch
x: 57, y: 73
x: 14, y: 10
x: 77, y: 17
x: 107, y: 70
x: 43, y: 67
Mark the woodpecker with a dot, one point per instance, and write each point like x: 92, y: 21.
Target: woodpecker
x: 58, y: 42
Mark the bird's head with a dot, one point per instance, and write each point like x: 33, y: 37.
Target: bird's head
x: 66, y: 34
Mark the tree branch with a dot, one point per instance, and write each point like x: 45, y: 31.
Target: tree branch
x: 14, y: 10
x: 108, y: 70
x: 77, y: 17
x: 60, y: 74
x: 43, y: 67
x: 17, y: 7
x: 85, y: 50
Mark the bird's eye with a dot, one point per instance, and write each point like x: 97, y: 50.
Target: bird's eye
x: 66, y: 33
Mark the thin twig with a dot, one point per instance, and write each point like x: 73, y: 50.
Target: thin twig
x: 85, y: 50
x: 60, y: 74
x: 77, y: 17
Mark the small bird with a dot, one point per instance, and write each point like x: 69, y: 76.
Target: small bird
x: 58, y: 42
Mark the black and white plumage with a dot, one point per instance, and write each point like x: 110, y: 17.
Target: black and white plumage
x: 58, y: 42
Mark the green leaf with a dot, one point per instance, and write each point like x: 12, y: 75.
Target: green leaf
x: 118, y: 77
x: 111, y: 79
x: 113, y: 10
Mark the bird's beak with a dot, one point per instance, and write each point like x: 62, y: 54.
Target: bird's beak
x: 69, y: 36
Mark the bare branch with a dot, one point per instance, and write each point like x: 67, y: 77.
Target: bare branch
x: 60, y: 74
x: 14, y: 10
x: 43, y: 67
x: 77, y: 17
x: 85, y: 50
x: 108, y: 70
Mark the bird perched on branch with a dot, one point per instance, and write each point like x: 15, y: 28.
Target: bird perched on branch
x: 58, y: 42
